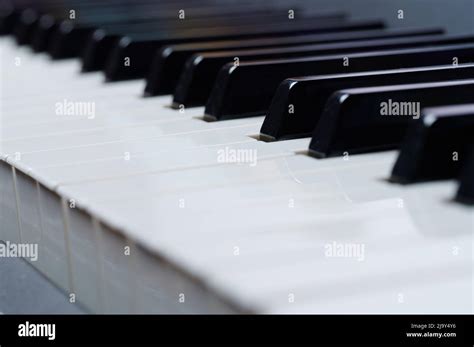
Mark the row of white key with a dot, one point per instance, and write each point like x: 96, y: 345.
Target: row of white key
x: 173, y: 194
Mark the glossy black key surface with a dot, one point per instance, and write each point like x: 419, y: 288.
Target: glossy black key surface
x: 101, y: 42
x: 25, y: 26
x: 104, y: 39
x: 16, y: 18
x: 70, y: 39
x: 298, y: 102
x: 52, y: 14
x: 169, y: 61
x: 40, y: 40
x: 151, y: 18
x: 235, y: 95
x: 67, y: 41
x: 376, y: 118
x: 163, y: 22
x: 197, y: 79
x: 8, y: 18
x: 435, y: 146
x: 49, y: 35
x: 141, y: 51
x: 465, y: 193
x: 39, y: 20
x: 141, y: 48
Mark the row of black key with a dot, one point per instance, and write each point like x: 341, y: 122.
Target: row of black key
x: 236, y: 66
x: 170, y: 60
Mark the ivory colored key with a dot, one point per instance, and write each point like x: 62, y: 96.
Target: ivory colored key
x: 211, y: 214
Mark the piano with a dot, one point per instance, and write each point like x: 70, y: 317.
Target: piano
x: 241, y: 157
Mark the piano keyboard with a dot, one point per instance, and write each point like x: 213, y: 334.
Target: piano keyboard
x: 276, y: 165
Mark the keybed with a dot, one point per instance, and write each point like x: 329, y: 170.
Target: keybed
x: 261, y: 171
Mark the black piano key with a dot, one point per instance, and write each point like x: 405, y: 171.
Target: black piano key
x: 465, y: 193
x: 435, y: 146
x: 103, y: 40
x: 150, y: 19
x: 376, y: 118
x: 98, y: 13
x: 48, y: 20
x: 298, y: 102
x: 9, y: 16
x: 231, y: 96
x: 97, y: 50
x: 169, y: 61
x: 92, y: 41
x: 25, y: 26
x: 47, y: 25
x: 200, y: 72
x: 138, y: 47
x: 65, y: 38
x: 49, y: 15
x: 66, y: 41
x: 141, y: 51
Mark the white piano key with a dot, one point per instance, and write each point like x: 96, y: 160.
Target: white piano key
x: 134, y: 164
x: 85, y: 269
x: 76, y: 262
x: 271, y: 172
x: 116, y: 266
x: 77, y: 105
x: 207, y: 214
x: 70, y: 155
x: 29, y: 213
x: 197, y: 223
x: 54, y: 246
x: 258, y: 275
x: 115, y: 194
x: 10, y: 230
x: 111, y: 121
x: 163, y: 288
x: 308, y: 279
x: 62, y: 74
x: 181, y: 130
x: 191, y: 211
x: 451, y: 295
x: 67, y: 124
x: 85, y: 87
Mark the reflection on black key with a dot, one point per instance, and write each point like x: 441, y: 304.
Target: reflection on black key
x: 371, y: 119
x: 66, y: 42
x: 465, y: 193
x: 137, y: 46
x: 170, y: 31
x: 248, y: 89
x: 25, y: 26
x: 435, y: 146
x: 169, y: 61
x: 97, y: 50
x: 299, y: 102
x: 198, y: 77
x: 153, y: 20
x: 41, y: 36
x: 141, y: 52
x: 70, y: 39
x: 8, y: 18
